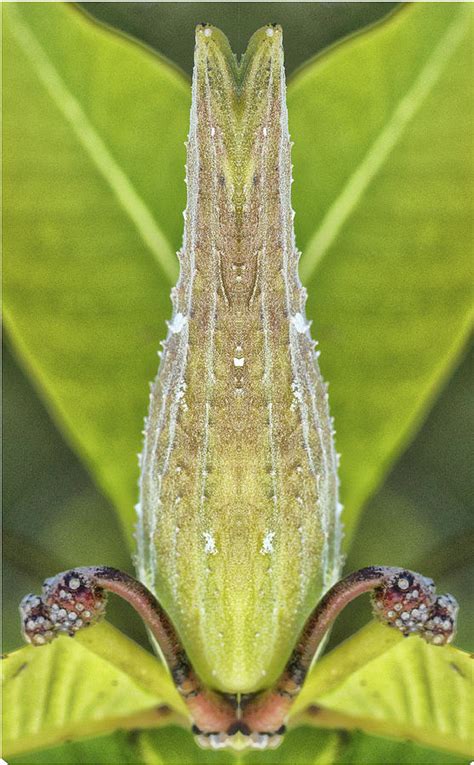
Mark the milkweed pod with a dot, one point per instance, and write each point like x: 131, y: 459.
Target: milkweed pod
x: 238, y: 529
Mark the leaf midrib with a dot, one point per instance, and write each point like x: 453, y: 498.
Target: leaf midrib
x: 94, y: 146
x: 381, y: 147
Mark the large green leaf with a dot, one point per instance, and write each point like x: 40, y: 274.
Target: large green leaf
x: 412, y: 691
x: 94, y: 130
x: 383, y: 200
x: 99, y: 682
x: 370, y: 750
x: 94, y: 198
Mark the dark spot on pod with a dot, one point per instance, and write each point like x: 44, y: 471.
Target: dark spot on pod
x: 164, y: 710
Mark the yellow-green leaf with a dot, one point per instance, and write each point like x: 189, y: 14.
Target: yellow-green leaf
x: 96, y: 683
x: 411, y: 690
x: 94, y: 161
x: 383, y: 200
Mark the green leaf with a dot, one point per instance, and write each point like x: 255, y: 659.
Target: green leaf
x: 101, y: 682
x: 170, y: 746
x: 382, y: 196
x: 93, y: 199
x: 302, y: 746
x: 120, y: 747
x: 371, y: 750
x: 412, y: 691
x: 94, y: 158
x: 96, y: 683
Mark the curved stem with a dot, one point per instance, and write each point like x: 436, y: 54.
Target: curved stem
x: 144, y: 603
x: 402, y: 599
x: 329, y: 608
x: 75, y: 599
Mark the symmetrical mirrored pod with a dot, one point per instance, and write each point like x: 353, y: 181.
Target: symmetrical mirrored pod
x: 238, y: 525
x: 239, y: 530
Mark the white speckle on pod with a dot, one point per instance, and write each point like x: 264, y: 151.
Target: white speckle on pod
x: 267, y: 544
x: 299, y: 322
x: 177, y: 324
x: 210, y: 546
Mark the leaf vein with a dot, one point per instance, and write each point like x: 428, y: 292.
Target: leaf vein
x: 92, y: 143
x: 406, y: 109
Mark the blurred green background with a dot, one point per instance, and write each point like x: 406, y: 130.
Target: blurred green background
x: 308, y: 27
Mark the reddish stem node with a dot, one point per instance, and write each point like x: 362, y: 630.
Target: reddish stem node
x: 401, y: 599
x: 76, y: 599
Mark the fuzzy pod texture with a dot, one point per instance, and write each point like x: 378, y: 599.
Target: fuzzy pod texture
x: 239, y: 530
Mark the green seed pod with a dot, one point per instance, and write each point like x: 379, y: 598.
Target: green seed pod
x: 239, y: 532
